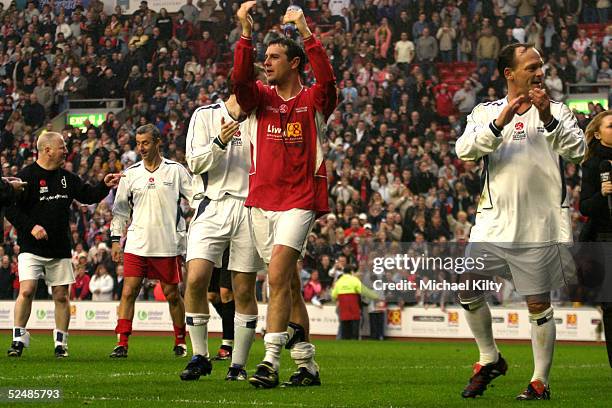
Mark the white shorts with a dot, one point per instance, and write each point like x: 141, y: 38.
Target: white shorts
x: 533, y: 271
x: 289, y: 228
x: 224, y: 222
x: 55, y: 271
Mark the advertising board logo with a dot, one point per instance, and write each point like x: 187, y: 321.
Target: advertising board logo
x: 142, y: 315
x: 394, y: 317
x: 41, y: 314
x: 90, y: 314
x: 572, y: 321
x: 513, y: 319
x: 453, y: 318
x: 73, y: 310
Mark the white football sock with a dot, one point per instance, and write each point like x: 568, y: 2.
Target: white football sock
x: 274, y: 343
x: 60, y: 337
x: 244, y: 335
x: 303, y: 354
x: 543, y: 334
x: 22, y: 335
x: 479, y: 320
x: 197, y: 326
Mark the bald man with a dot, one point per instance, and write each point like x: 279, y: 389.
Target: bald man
x: 41, y: 217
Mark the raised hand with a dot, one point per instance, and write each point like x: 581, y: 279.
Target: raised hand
x: 296, y: 17
x: 228, y: 130
x: 245, y: 18
x: 112, y: 179
x: 509, y: 111
x: 541, y: 101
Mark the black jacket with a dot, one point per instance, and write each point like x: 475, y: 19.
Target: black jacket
x: 592, y: 203
x: 46, y: 201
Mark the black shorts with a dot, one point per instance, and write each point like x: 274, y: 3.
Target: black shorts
x: 221, y: 277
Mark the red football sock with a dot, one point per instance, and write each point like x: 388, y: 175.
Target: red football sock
x: 179, y: 335
x: 123, y: 329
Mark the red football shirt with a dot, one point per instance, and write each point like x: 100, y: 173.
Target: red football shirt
x: 287, y: 163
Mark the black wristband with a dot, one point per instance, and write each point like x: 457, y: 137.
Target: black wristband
x: 551, y: 125
x: 219, y: 143
x: 496, y: 131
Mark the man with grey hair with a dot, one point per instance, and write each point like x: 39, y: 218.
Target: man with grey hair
x: 41, y: 217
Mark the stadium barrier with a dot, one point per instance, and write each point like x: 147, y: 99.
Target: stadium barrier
x: 577, y: 324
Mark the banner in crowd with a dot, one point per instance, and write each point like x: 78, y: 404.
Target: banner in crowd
x: 579, y: 324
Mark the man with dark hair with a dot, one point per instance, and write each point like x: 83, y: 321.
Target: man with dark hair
x: 150, y: 196
x: 40, y: 215
x: 286, y: 197
x: 523, y: 224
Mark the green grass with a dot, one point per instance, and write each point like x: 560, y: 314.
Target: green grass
x: 354, y: 374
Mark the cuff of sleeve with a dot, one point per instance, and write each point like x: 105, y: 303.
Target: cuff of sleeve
x: 552, y: 125
x: 246, y: 40
x: 115, y: 238
x: 310, y: 40
x: 496, y: 131
x: 219, y: 143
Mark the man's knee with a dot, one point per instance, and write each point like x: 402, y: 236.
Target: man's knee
x: 27, y: 293
x: 129, y: 293
x: 60, y: 296
x: 538, y: 307
x: 172, y: 294
x: 226, y: 294
x: 538, y: 303
x: 472, y: 301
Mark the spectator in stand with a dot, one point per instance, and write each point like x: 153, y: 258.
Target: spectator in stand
x: 6, y: 279
x: 101, y: 285
x: 465, y: 98
x: 487, y: 49
x: 76, y: 85
x: 554, y: 85
x: 182, y: 29
x: 190, y: 12
x: 313, y: 288
x: 446, y: 38
x: 79, y: 290
x: 404, y: 52
x: 426, y: 49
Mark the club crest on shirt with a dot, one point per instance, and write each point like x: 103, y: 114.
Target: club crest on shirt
x: 519, y: 131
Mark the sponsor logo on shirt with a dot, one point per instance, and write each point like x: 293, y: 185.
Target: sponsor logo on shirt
x: 294, y: 129
x: 151, y: 184
x: 519, y: 131
x: 283, y: 108
x: 43, y: 186
x: 272, y: 109
x: 54, y: 197
x: 301, y: 109
x: 64, y: 183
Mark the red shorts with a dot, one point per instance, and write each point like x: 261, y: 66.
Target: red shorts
x: 165, y: 268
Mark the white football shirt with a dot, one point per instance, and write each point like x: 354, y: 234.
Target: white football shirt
x: 218, y: 171
x: 523, y: 197
x: 152, y: 201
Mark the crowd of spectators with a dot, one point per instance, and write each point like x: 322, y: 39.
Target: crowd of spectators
x: 393, y: 175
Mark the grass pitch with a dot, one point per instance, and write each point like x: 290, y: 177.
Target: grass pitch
x: 354, y: 374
